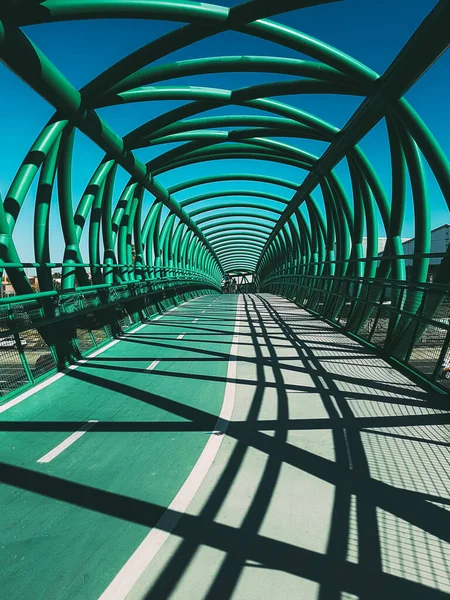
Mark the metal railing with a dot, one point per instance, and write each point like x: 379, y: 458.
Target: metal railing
x: 45, y: 331
x: 408, y: 323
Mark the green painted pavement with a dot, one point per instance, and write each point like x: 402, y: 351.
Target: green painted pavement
x: 65, y: 538
x: 331, y: 482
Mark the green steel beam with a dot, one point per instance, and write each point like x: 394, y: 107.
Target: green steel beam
x: 422, y: 50
x: 301, y: 248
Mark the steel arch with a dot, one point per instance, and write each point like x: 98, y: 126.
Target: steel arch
x: 322, y: 252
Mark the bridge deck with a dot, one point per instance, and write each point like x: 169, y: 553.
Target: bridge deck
x: 331, y: 481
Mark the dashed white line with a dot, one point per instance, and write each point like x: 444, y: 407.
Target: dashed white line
x: 154, y: 364
x: 127, y: 577
x: 67, y: 442
x: 53, y: 378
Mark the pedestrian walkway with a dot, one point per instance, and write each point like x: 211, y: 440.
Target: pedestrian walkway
x: 238, y: 448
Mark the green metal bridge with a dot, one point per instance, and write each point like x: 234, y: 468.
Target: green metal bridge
x: 163, y: 439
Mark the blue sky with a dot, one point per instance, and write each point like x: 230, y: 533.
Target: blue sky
x: 373, y: 32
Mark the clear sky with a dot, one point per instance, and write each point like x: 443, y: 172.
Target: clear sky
x: 371, y: 31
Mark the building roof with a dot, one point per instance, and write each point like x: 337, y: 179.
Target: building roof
x: 444, y: 226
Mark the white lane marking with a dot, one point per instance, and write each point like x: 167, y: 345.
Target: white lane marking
x: 139, y: 561
x: 26, y: 395
x: 195, y: 320
x: 181, y: 336
x: 138, y: 328
x: 56, y: 376
x: 154, y: 364
x: 67, y: 442
x: 170, y: 310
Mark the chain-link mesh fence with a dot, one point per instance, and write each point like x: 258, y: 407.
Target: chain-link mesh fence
x: 89, y: 318
x: 405, y: 321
